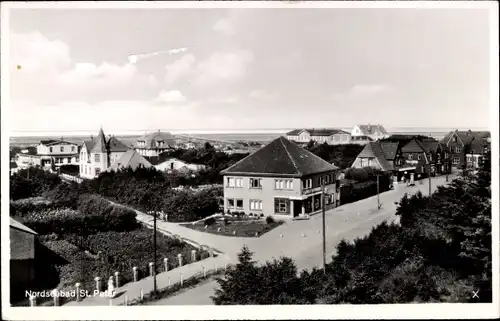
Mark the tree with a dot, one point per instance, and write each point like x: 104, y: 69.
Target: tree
x: 275, y: 282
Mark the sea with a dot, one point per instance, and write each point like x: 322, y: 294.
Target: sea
x: 261, y: 136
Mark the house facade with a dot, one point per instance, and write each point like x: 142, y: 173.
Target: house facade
x: 22, y: 259
x: 281, y: 179
x: 427, y: 157
x: 98, y: 154
x: 330, y: 136
x: 130, y: 159
x: 374, y: 132
x: 466, y: 148
x: 58, y: 152
x: 384, y: 156
x: 153, y: 144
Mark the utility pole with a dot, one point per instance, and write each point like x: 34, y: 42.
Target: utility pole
x: 324, y: 223
x: 154, y: 259
x: 378, y: 191
x: 430, y: 185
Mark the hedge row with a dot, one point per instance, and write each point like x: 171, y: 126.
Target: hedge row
x: 357, y: 191
x: 94, y: 214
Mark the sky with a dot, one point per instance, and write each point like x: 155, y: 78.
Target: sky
x: 247, y: 69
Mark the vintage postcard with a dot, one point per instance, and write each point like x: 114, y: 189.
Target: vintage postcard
x: 249, y: 160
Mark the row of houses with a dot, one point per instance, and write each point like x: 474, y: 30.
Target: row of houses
x: 105, y: 153
x: 458, y: 150
x: 360, y: 134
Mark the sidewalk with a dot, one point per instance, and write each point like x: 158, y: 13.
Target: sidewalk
x: 132, y: 290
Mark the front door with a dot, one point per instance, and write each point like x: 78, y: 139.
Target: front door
x: 297, y: 208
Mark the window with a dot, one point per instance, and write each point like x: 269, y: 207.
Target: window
x: 282, y: 205
x: 456, y: 160
x: 239, y: 204
x: 327, y: 179
x: 430, y: 157
x: 97, y: 171
x: 255, y: 183
x: 410, y: 156
x: 336, y: 138
x: 458, y: 149
x: 419, y: 156
x: 307, y: 183
x: 230, y: 182
x: 255, y: 205
x: 469, y: 158
x: 230, y: 203
x: 50, y: 149
x: 61, y: 149
x: 72, y: 148
x: 97, y: 158
x: 445, y: 155
x: 238, y: 182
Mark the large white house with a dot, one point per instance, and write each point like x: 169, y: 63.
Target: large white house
x: 330, y: 136
x: 98, y: 154
x: 374, y: 132
x: 58, y: 152
x: 153, y: 144
x: 174, y: 164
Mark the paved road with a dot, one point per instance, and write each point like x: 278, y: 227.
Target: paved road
x: 301, y: 241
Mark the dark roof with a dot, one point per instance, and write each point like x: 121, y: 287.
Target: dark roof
x: 280, y: 157
x: 362, y: 138
x: 390, y: 149
x: 318, y: 131
x: 466, y: 136
x: 88, y: 144
x: 46, y: 142
x: 115, y: 145
x: 414, y: 146
x: 99, y: 143
x: 151, y: 139
x: 54, y: 142
x: 132, y: 159
x: 372, y: 129
x: 13, y: 165
x: 374, y: 149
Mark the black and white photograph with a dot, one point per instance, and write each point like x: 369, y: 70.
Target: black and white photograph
x: 288, y: 159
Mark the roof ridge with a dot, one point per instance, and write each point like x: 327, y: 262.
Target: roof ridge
x: 290, y: 156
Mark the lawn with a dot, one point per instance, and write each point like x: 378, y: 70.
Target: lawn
x: 238, y: 227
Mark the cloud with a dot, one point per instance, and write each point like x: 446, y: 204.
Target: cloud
x: 172, y: 96
x: 225, y: 26
x: 262, y: 95
x: 48, y: 75
x: 223, y: 66
x: 180, y: 68
x: 363, y: 91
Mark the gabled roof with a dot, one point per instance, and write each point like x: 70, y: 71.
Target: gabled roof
x: 132, y: 159
x: 151, y: 139
x: 414, y: 146
x: 390, y: 149
x: 294, y: 132
x: 55, y: 142
x: 369, y: 130
x: 466, y: 136
x: 22, y: 227
x: 280, y: 157
x: 115, y: 145
x: 88, y: 145
x: 374, y: 150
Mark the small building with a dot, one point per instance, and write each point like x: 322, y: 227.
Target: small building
x: 23, y: 241
x: 28, y: 158
x: 375, y: 132
x: 280, y: 179
x: 425, y: 157
x: 153, y: 144
x: 98, y: 154
x: 166, y: 163
x: 466, y: 147
x: 331, y: 136
x: 130, y: 159
x: 373, y: 155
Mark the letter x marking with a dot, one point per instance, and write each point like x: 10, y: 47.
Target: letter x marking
x: 475, y: 294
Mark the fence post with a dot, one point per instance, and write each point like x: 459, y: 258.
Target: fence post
x: 211, y: 252
x: 179, y: 256
x: 204, y: 272
x: 165, y: 262
x: 169, y: 282
x: 182, y: 279
x: 126, y: 300
x: 136, y: 274
x: 151, y: 269
x: 117, y: 279
x: 142, y: 295
x: 193, y: 255
x: 98, y: 283
x: 32, y: 300
x: 78, y: 297
x: 55, y: 295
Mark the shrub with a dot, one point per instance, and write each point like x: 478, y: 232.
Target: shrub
x: 209, y: 221
x: 269, y: 220
x: 261, y: 215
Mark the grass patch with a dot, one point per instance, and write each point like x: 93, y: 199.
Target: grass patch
x: 237, y: 227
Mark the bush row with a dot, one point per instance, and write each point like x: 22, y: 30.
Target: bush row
x: 94, y: 214
x: 353, y: 192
